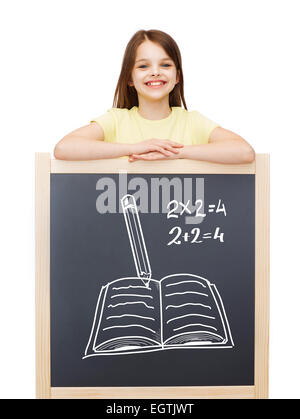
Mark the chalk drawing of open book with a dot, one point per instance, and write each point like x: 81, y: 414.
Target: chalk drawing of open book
x: 142, y: 314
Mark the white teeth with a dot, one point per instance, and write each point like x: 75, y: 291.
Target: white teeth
x: 154, y: 84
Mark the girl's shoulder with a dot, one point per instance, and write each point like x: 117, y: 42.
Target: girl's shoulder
x: 118, y: 111
x: 121, y: 114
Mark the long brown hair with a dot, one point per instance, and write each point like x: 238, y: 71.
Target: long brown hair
x: 125, y: 95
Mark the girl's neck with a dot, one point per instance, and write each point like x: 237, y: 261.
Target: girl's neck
x: 154, y: 110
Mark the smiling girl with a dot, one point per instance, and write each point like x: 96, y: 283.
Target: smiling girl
x: 147, y: 120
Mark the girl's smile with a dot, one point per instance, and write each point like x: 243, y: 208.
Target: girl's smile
x: 156, y: 84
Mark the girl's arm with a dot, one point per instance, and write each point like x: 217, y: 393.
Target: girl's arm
x: 87, y: 143
x: 224, y: 147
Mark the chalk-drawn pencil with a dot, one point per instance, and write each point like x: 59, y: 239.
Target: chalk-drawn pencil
x: 136, y: 238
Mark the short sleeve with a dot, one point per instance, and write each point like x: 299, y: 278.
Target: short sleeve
x: 108, y: 124
x: 201, y: 127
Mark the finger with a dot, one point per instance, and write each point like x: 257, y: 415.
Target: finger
x: 163, y: 151
x: 174, y: 143
x: 177, y: 145
x: 148, y: 156
x: 166, y: 147
x: 172, y: 149
x: 157, y: 156
x: 136, y: 156
x: 170, y: 146
x: 139, y: 157
x: 154, y: 156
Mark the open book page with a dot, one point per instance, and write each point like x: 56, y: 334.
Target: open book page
x: 193, y: 314
x: 127, y: 317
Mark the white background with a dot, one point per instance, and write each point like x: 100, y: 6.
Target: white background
x: 60, y: 65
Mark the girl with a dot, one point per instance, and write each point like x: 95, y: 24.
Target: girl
x: 147, y: 121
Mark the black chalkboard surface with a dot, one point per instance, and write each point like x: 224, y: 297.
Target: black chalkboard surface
x: 152, y: 280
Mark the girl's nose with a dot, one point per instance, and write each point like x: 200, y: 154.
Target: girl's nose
x: 155, y: 72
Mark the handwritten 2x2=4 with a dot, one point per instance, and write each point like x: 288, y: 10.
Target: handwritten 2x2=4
x: 219, y: 208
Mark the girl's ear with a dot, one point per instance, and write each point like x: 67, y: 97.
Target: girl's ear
x: 177, y: 77
x: 130, y: 83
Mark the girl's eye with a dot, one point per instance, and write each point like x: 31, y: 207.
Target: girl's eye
x: 144, y: 65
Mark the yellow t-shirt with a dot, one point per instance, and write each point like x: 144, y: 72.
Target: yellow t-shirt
x: 129, y: 127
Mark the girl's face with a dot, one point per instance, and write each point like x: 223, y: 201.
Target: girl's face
x: 152, y: 64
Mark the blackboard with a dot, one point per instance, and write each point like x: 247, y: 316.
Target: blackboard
x: 91, y: 249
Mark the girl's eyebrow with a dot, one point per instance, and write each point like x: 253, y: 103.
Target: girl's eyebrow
x: 146, y: 59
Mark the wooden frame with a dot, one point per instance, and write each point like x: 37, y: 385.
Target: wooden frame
x: 44, y: 167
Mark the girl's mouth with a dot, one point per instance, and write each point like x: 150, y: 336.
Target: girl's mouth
x: 155, y: 85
